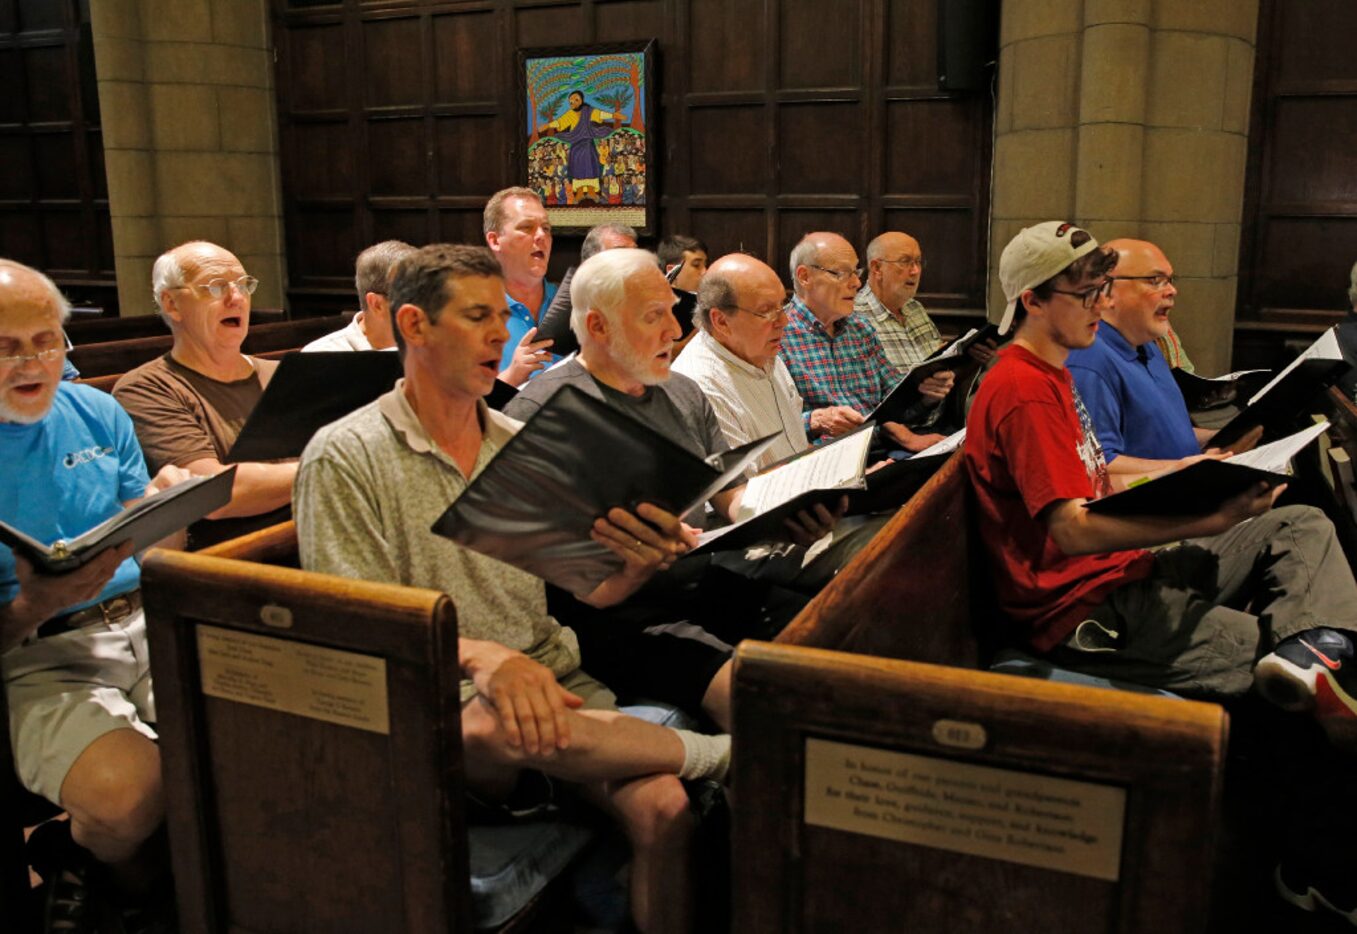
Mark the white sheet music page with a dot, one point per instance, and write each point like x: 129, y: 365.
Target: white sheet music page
x: 946, y: 446
x: 828, y: 468
x: 1276, y: 457
x: 1326, y: 348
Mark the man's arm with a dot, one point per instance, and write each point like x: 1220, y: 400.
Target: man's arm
x: 42, y: 596
x: 258, y: 488
x: 529, y: 701
x: 649, y: 540
x: 1077, y: 531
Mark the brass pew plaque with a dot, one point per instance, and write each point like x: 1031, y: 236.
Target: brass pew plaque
x: 307, y: 680
x: 1035, y: 820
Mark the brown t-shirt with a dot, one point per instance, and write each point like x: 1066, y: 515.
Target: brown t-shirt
x: 182, y: 416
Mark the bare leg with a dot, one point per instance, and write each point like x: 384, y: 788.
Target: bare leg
x: 655, y: 814
x: 114, y: 796
x: 716, y: 701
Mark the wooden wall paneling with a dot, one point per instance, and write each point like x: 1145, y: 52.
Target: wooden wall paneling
x: 1299, y: 235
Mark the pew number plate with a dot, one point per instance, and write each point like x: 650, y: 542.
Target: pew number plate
x: 1019, y: 817
x: 307, y: 680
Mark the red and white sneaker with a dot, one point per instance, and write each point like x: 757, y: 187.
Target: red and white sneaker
x: 1317, y: 671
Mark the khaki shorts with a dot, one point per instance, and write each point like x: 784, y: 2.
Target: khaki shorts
x: 67, y: 690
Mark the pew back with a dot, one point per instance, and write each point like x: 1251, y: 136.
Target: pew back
x: 834, y: 747
x: 312, y: 749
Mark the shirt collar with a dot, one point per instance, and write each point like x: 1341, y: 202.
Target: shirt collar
x: 806, y: 318
x: 729, y: 357
x: 548, y: 293
x: 1115, y: 341
x: 497, y: 428
x: 874, y: 306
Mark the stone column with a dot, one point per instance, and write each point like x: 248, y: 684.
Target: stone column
x: 1131, y: 118
x: 190, y: 136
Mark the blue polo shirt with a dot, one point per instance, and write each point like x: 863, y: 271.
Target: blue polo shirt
x: 521, y: 321
x: 1130, y: 394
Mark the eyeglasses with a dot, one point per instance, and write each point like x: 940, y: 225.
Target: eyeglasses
x: 1158, y: 281
x: 907, y: 261
x: 218, y: 288
x: 772, y: 314
x: 840, y: 274
x: 47, y: 355
x: 1089, y: 297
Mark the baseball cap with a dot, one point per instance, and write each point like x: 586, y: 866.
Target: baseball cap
x: 1036, y: 254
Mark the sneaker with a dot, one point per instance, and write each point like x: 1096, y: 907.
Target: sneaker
x: 1315, y: 670
x: 1303, y: 894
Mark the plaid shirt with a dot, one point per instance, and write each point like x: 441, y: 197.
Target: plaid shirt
x: 849, y: 368
x: 906, y: 343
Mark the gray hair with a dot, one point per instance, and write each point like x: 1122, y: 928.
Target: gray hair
x: 372, y: 269
x: 714, y: 291
x: 493, y: 216
x: 168, y: 273
x: 63, y: 306
x: 601, y: 283
x: 805, y: 253
x: 1352, y: 289
x: 874, y: 249
x: 593, y: 240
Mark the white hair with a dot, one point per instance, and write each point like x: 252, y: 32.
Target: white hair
x: 601, y: 283
x: 63, y: 306
x: 166, y: 274
x: 805, y: 253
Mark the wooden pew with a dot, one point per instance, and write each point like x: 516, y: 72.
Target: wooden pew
x: 119, y: 356
x: 341, y: 809
x: 819, y: 848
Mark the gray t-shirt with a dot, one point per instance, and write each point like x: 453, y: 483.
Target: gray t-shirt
x: 368, y: 491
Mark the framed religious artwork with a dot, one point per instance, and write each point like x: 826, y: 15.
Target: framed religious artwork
x: 589, y: 147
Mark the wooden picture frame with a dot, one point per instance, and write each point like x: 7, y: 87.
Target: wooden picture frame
x: 587, y: 115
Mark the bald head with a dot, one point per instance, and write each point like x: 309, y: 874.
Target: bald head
x: 895, y: 265
x: 32, y: 311
x: 824, y: 275
x: 177, y: 267
x: 1143, y: 293
x: 739, y: 303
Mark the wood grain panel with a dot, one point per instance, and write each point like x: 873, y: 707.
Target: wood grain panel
x: 934, y: 147
x: 911, y: 43
x: 726, y: 57
x: 410, y: 225
x: 820, y: 45
x: 47, y: 84
x: 812, y: 151
x: 947, y: 239
x: 731, y: 231
x: 315, y: 70
x: 68, y: 242
x: 54, y: 158
x: 627, y: 19
x: 462, y: 226
x: 1314, y: 42
x: 16, y: 181
x: 560, y: 24
x: 468, y: 57
x: 397, y: 156
x: 469, y: 155
x: 39, y: 14
x: 324, y: 241
x: 394, y: 72
x: 21, y: 236
x: 1314, y: 140
x: 728, y: 150
x: 322, y: 164
x: 11, y: 78
x: 1303, y: 262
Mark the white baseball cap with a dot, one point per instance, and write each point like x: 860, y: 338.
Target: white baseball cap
x: 1036, y: 254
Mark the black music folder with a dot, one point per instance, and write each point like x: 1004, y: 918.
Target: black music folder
x: 309, y: 391
x: 143, y: 523
x: 534, y: 504
x: 905, y: 395
x: 554, y: 323
x: 1201, y: 393
x: 1201, y: 488
x: 1282, y: 399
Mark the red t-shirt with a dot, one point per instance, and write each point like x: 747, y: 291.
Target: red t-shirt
x: 1026, y: 448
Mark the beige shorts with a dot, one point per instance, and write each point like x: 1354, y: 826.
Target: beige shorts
x: 67, y: 690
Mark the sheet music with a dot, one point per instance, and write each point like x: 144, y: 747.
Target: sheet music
x: 951, y: 348
x: 827, y: 468
x: 1228, y: 377
x: 1276, y: 457
x: 946, y: 446
x: 1326, y: 348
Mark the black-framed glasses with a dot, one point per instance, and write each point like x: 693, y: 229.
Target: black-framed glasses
x: 772, y: 314
x: 218, y: 288
x: 46, y: 355
x: 907, y: 261
x: 1089, y: 297
x: 1158, y: 281
x: 839, y: 274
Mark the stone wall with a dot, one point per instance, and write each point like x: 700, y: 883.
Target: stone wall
x: 1131, y: 118
x: 190, y: 136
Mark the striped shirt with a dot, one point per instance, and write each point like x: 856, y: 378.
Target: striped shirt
x: 907, y: 342
x: 749, y: 402
x: 848, y: 368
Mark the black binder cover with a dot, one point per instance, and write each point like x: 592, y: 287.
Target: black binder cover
x: 143, y: 523
x: 906, y: 392
x: 1196, y: 490
x: 535, y: 503
x: 1201, y: 394
x: 1283, y: 401
x: 309, y: 391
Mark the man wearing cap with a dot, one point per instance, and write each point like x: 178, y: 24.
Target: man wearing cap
x: 1081, y: 586
x: 1137, y: 409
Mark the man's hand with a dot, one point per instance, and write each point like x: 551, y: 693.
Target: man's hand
x: 835, y: 420
x: 649, y: 540
x: 169, y: 476
x: 1248, y: 442
x: 908, y: 439
x: 42, y: 596
x: 531, y: 704
x: 936, y: 387
x: 529, y: 357
x: 1254, y: 501
x: 983, y: 351
x: 810, y: 525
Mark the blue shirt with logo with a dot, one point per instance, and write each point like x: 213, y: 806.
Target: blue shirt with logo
x: 521, y: 321
x: 1136, y: 406
x: 67, y: 473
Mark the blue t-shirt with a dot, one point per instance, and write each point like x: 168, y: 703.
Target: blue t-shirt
x: 66, y: 474
x: 1130, y: 394
x: 521, y: 321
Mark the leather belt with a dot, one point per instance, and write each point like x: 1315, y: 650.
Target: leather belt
x: 107, y: 611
